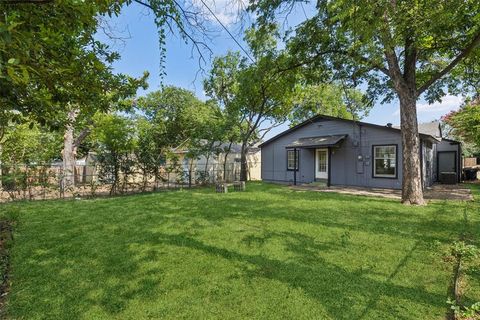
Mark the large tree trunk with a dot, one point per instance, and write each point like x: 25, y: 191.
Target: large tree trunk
x: 243, y: 162
x: 406, y: 88
x: 69, y: 151
x: 412, y: 192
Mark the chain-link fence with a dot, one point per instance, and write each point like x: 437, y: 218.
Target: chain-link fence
x: 37, y: 182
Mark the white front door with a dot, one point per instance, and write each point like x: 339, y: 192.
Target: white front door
x: 321, y: 164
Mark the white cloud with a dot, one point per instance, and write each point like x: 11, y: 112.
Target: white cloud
x: 227, y: 11
x: 447, y: 104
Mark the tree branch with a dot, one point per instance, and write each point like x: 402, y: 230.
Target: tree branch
x: 394, y: 67
x: 409, y: 68
x: 196, y: 43
x: 26, y: 1
x: 265, y: 131
x: 358, y: 58
x: 464, y: 53
x: 83, y: 134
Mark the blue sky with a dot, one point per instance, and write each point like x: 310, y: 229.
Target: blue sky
x: 140, y: 52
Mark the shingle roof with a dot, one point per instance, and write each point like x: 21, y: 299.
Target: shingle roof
x: 321, y: 141
x: 234, y: 148
x: 320, y: 116
x: 429, y: 128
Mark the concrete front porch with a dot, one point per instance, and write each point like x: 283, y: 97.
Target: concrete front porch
x: 436, y: 192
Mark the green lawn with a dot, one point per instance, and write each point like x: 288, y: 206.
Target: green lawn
x: 266, y: 253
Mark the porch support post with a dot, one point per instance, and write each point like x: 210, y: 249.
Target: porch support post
x: 294, y: 166
x: 460, y: 163
x: 421, y: 165
x: 329, y: 150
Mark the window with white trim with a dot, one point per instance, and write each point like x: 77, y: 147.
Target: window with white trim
x: 291, y: 159
x: 385, y: 161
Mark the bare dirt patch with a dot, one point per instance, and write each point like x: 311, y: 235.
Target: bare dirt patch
x: 435, y: 192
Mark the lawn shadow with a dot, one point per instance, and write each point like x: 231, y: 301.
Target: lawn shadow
x: 373, y: 215
x: 97, y: 253
x: 320, y: 280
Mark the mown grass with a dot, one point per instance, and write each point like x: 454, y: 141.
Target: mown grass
x: 267, y: 253
x: 471, y: 235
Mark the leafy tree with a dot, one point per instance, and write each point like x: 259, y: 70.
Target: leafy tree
x: 327, y: 99
x: 465, y: 126
x: 44, y: 52
x: 26, y: 153
x: 115, y: 144
x: 230, y: 134
x: 208, y: 137
x: 177, y: 119
x: 147, y: 155
x: 78, y: 119
x: 396, y: 49
x: 49, y: 55
x: 53, y: 70
x: 177, y: 114
x: 256, y: 95
x: 30, y: 144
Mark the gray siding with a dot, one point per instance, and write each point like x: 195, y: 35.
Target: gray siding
x: 428, y: 153
x: 345, y: 169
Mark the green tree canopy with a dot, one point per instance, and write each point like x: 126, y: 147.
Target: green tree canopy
x: 465, y: 126
x: 50, y: 57
x: 29, y: 144
x: 256, y: 94
x: 177, y: 114
x: 115, y: 140
x: 328, y: 99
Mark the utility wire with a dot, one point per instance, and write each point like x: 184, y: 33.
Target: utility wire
x: 225, y: 28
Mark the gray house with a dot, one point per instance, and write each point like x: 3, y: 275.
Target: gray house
x: 352, y: 153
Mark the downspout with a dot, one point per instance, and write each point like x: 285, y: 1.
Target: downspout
x: 460, y: 163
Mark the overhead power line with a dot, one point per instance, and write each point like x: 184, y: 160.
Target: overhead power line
x: 225, y: 28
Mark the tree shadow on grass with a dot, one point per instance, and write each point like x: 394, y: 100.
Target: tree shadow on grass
x: 351, y: 213
x: 73, y: 273
x: 108, y: 271
x: 344, y: 294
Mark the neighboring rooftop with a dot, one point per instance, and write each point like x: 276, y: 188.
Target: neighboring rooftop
x: 235, y: 147
x: 429, y: 128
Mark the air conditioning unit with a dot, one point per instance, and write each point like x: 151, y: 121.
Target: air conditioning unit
x: 448, y: 177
